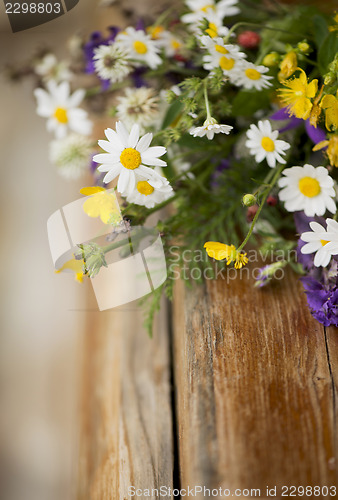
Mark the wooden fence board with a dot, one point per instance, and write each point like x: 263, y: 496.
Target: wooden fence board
x: 254, y: 387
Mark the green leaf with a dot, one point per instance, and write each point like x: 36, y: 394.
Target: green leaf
x: 173, y: 112
x: 320, y: 29
x: 327, y: 51
x: 246, y: 103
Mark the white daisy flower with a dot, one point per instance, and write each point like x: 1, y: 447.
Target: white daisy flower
x: 140, y: 46
x: 228, y: 57
x: 49, y: 68
x: 202, y: 8
x: 71, y: 155
x: 139, y: 106
x: 307, y: 188
x: 111, y: 62
x: 62, y: 110
x: 210, y: 128
x: 323, y: 242
x: 127, y: 154
x: 215, y: 27
x: 263, y: 143
x: 165, y: 39
x: 149, y: 193
x: 251, y: 76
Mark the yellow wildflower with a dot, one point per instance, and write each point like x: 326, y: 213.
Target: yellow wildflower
x: 330, y: 104
x: 221, y: 251
x: 298, y: 95
x: 73, y: 265
x: 288, y: 66
x: 334, y: 27
x: 316, y: 110
x: 101, y: 204
x: 332, y: 149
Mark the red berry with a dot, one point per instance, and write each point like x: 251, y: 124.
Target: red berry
x: 179, y: 58
x: 271, y: 201
x: 249, y: 39
x: 251, y: 212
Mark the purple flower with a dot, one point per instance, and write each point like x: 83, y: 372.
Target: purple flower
x: 97, y: 39
x: 322, y: 300
x: 221, y: 166
x: 316, y: 134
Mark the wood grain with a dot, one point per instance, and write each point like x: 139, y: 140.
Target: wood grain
x: 125, y: 420
x: 256, y: 380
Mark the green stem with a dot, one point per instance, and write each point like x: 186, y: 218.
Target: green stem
x: 206, y: 100
x: 268, y: 189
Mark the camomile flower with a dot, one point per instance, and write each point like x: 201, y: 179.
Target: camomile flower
x: 202, y: 8
x: 140, y: 46
x: 127, y: 154
x: 149, y: 193
x: 215, y: 27
x: 323, y: 242
x: 71, y: 155
x: 62, y: 110
x: 49, y: 68
x: 225, y: 56
x: 210, y: 128
x: 139, y: 106
x: 251, y: 76
x: 307, y: 188
x: 263, y: 143
x: 111, y: 62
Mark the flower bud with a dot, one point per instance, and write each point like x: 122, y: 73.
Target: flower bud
x: 249, y: 200
x: 249, y: 39
x: 304, y: 47
x: 271, y: 201
x: 251, y: 212
x: 330, y: 78
x: 288, y: 66
x: 271, y: 59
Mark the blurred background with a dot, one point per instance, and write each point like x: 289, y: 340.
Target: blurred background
x: 42, y: 319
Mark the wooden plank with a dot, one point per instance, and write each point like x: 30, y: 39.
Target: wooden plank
x: 255, y: 400
x: 125, y: 420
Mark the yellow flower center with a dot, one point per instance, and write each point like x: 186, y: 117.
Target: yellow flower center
x: 144, y: 187
x: 226, y: 63
x: 140, y: 47
x: 268, y: 144
x: 175, y: 44
x: 155, y: 32
x: 253, y: 74
x: 130, y: 158
x: 61, y: 115
x: 212, y: 30
x: 221, y: 49
x: 309, y: 187
x: 207, y: 7
x: 324, y: 242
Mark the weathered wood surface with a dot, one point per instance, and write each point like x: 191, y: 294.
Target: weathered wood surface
x: 256, y: 387
x: 125, y: 417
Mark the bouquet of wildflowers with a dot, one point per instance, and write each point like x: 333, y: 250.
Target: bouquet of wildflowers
x: 227, y: 112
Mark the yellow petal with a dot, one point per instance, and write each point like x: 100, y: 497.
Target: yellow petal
x: 320, y: 145
x: 88, y: 191
x: 74, y: 265
x: 312, y: 88
x: 103, y: 205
